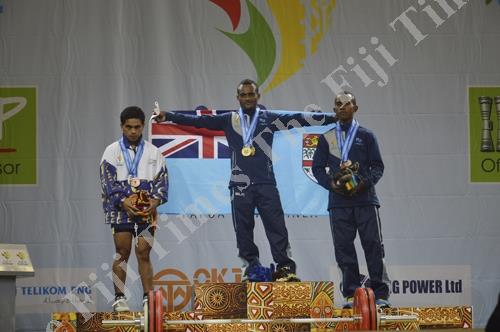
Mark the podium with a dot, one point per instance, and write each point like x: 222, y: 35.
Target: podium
x: 14, y: 262
x: 267, y: 301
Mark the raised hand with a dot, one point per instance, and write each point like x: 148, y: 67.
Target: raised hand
x: 158, y: 115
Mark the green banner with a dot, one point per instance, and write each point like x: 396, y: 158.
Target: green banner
x: 18, y: 135
x: 484, y: 139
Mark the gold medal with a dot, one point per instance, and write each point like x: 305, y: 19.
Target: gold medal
x: 246, y: 151
x: 252, y: 148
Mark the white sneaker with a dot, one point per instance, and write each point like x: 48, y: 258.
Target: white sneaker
x: 120, y: 304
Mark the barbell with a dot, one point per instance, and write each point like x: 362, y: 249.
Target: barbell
x: 365, y: 316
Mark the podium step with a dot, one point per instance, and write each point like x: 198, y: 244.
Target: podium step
x: 264, y: 300
x: 220, y: 300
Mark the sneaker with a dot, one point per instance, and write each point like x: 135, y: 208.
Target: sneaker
x: 348, y: 303
x: 120, y: 304
x: 285, y: 274
x: 258, y: 273
x: 382, y: 303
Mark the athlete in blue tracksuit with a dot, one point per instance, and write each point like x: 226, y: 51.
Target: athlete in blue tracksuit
x: 353, y: 210
x: 252, y: 182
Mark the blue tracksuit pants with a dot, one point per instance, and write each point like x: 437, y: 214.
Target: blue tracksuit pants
x: 264, y: 197
x: 345, y: 223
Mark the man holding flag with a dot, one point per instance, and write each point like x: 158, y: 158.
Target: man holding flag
x: 250, y: 132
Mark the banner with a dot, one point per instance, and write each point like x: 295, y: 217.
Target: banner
x: 484, y: 134
x: 55, y: 289
x: 18, y: 135
x: 198, y: 162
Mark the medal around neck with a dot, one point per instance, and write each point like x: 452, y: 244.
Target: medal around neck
x: 134, y: 182
x: 248, y: 151
x: 345, y: 145
x: 132, y: 164
x: 346, y: 164
x: 248, y: 129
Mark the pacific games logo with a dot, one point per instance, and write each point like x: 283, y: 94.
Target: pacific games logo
x: 18, y: 131
x: 300, y: 28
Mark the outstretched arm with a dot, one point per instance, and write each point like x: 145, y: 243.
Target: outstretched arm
x: 302, y: 119
x: 214, y: 122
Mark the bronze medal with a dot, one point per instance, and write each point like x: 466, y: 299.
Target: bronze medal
x: 134, y: 182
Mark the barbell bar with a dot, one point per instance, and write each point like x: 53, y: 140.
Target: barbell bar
x: 365, y: 316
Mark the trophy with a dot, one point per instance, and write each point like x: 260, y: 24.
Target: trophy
x: 140, y: 200
x: 346, y: 178
x: 497, y: 104
x: 487, y: 125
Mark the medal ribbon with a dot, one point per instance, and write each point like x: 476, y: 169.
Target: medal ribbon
x: 345, y: 145
x: 132, y: 165
x: 248, y: 129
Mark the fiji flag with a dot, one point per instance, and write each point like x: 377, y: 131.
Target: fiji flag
x: 175, y: 141
x: 198, y: 162
x: 199, y: 168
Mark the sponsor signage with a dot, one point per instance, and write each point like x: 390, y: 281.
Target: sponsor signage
x: 18, y: 135
x: 55, y: 290
x: 484, y: 134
